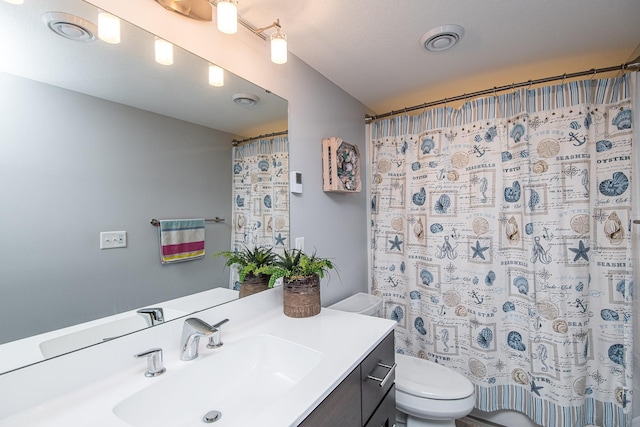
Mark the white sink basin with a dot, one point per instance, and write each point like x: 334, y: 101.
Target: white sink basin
x: 240, y: 381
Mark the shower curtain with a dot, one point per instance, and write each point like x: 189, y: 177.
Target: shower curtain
x: 260, y: 196
x: 636, y: 250
x: 501, y: 245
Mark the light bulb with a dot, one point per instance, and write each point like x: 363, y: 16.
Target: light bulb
x: 228, y: 16
x: 164, y: 52
x: 278, y: 47
x: 216, y: 76
x: 108, y: 28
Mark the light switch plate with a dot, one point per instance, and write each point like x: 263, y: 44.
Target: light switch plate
x: 113, y: 239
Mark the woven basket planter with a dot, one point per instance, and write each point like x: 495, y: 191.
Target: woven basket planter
x: 254, y: 284
x: 302, y: 297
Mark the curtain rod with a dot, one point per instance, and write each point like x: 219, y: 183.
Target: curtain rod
x: 253, y: 138
x: 592, y: 72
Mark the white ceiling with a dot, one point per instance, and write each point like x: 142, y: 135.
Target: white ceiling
x: 371, y: 49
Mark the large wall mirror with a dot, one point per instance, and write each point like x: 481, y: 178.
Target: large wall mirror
x: 99, y: 137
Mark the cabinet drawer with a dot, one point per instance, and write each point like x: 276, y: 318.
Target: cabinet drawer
x: 385, y: 415
x: 378, y: 366
x: 341, y: 408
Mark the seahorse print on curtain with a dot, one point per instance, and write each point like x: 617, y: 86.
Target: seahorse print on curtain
x: 501, y: 246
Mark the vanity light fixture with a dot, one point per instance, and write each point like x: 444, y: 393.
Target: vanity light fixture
x: 164, y: 52
x: 216, y: 76
x: 194, y: 9
x: 108, y: 28
x: 278, y: 43
x: 228, y: 20
x: 228, y: 16
x: 279, y: 47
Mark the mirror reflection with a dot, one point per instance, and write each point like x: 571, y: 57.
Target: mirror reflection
x: 99, y: 137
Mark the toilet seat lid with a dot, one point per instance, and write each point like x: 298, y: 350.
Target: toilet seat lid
x: 424, y: 378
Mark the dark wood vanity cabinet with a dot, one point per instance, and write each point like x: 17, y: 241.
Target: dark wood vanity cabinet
x: 385, y: 414
x: 359, y: 400
x: 378, y: 366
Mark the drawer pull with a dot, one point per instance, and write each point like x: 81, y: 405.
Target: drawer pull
x: 386, y: 378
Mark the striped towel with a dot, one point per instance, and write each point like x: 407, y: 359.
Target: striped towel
x: 181, y: 240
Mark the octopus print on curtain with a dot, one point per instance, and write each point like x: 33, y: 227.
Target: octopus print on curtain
x: 260, y: 196
x: 501, y: 246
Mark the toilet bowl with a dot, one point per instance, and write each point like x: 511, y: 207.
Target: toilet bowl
x: 427, y: 394
x: 431, y: 394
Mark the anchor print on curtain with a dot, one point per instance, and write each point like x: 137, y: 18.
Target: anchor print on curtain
x: 501, y: 246
x: 260, y: 196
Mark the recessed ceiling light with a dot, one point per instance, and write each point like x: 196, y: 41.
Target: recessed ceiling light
x: 442, y: 38
x: 245, y: 99
x: 70, y: 26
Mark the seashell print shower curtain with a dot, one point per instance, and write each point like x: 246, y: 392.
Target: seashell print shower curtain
x: 260, y: 196
x: 501, y: 246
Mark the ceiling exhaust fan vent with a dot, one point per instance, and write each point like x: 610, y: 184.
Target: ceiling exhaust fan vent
x: 442, y: 38
x: 70, y: 26
x: 245, y: 99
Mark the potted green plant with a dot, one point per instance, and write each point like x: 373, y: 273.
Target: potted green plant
x: 301, y: 274
x: 251, y: 265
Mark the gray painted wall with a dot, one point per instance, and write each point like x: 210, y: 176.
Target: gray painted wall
x: 333, y: 224
x: 73, y: 165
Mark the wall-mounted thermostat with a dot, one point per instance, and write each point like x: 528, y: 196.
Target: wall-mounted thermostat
x: 295, y: 181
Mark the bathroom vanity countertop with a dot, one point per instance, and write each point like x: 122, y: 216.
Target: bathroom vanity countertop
x: 343, y: 339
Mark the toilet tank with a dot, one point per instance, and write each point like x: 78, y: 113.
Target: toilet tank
x: 360, y: 303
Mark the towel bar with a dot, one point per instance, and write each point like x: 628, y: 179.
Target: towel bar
x: 156, y: 222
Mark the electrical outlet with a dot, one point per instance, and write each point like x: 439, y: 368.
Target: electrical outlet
x: 300, y: 243
x: 113, y: 239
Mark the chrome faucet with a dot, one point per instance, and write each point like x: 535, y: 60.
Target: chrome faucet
x: 154, y: 362
x: 153, y: 315
x: 215, y: 340
x: 192, y: 330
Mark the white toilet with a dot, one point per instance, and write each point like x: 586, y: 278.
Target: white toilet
x: 427, y: 394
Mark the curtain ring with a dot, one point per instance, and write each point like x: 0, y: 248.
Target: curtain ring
x: 513, y: 88
x: 465, y: 98
x: 530, y: 83
x: 445, y: 103
x: 564, y: 76
x: 593, y: 76
x: 494, y: 92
